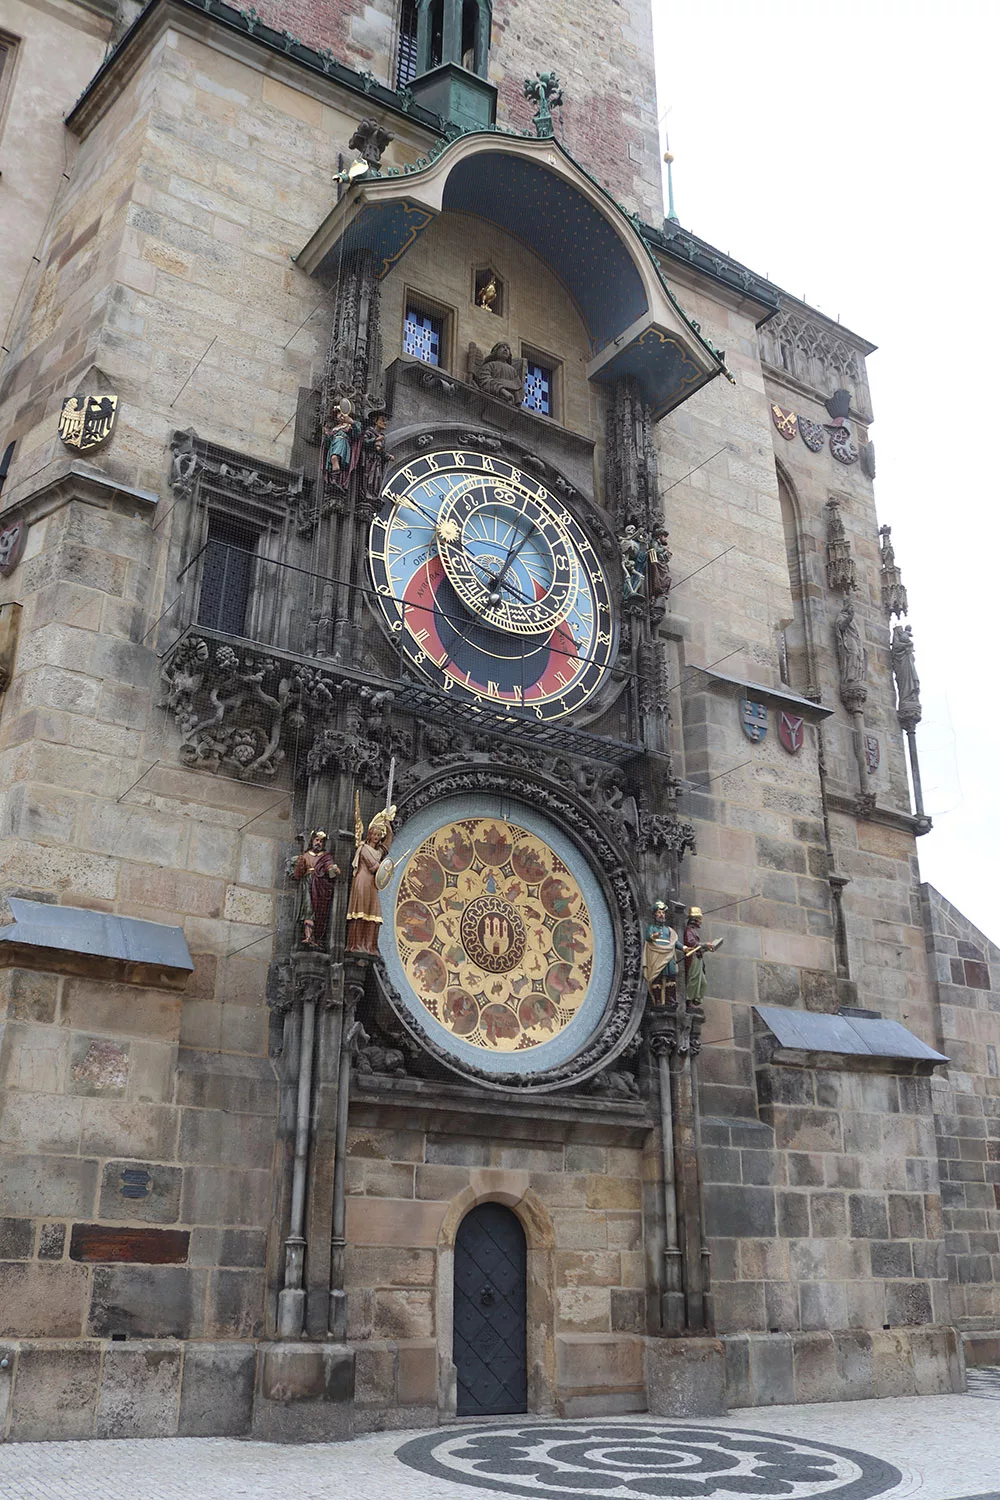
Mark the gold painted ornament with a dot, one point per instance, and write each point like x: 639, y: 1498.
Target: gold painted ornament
x: 85, y: 422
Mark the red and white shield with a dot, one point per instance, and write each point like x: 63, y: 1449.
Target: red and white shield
x: 791, y: 729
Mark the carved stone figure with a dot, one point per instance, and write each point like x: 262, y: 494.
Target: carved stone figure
x: 658, y: 564
x: 342, y: 435
x: 499, y: 374
x: 695, y: 948
x: 370, y: 139
x: 635, y: 554
x: 660, y: 958
x: 373, y: 459
x: 315, y: 872
x: 905, y: 672
x: 364, y: 907
x: 852, y: 658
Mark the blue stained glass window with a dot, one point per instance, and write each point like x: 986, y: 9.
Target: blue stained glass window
x: 538, y: 389
x: 422, y: 336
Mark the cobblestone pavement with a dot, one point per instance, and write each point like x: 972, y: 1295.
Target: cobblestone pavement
x: 934, y: 1448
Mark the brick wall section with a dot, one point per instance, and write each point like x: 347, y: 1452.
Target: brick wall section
x: 603, y: 55
x: 967, y: 1107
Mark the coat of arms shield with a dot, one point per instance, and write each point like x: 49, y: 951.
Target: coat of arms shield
x: 753, y: 717
x: 85, y: 422
x: 813, y: 434
x: 791, y: 731
x: 784, y: 420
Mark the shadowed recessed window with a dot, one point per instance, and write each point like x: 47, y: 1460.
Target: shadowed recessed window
x: 227, y: 575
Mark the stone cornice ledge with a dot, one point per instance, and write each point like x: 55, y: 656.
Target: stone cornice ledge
x: 78, y: 481
x: 812, y: 712
x: 906, y: 822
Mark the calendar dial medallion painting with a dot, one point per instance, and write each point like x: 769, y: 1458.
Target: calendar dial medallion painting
x: 498, y: 938
x: 490, y: 586
x: 494, y: 935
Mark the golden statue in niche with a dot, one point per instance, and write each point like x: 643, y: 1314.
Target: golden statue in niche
x: 494, y: 934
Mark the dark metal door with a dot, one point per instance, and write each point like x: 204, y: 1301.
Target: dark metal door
x: 491, y: 1312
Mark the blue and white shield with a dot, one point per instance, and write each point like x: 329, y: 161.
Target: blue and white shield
x: 753, y: 717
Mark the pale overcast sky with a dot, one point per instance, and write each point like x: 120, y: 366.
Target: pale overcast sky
x: 850, y: 152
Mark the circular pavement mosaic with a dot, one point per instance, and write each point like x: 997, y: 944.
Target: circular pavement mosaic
x: 635, y: 1461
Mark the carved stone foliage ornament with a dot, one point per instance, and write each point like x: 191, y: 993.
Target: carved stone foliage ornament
x: 873, y: 753
x: 85, y: 422
x: 247, y: 713
x: 546, y: 92
x: 753, y: 719
x: 370, y: 139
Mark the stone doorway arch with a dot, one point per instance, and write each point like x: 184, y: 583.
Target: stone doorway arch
x: 539, y: 1237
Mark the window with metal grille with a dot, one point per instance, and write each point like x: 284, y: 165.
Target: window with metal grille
x: 227, y: 575
x: 406, y: 52
x: 422, y: 336
x: 538, y: 389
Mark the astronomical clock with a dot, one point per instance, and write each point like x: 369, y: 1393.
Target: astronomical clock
x: 492, y: 587
x: 501, y: 932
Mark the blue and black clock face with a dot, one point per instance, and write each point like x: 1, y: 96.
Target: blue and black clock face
x: 490, y: 585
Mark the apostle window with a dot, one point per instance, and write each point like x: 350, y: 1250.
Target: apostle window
x: 539, y: 387
x: 423, y: 336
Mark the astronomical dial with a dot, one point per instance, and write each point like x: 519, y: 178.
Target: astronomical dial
x: 490, y: 585
x: 508, y: 557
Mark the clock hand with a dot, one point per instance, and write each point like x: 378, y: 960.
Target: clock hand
x: 513, y: 556
x: 414, y: 505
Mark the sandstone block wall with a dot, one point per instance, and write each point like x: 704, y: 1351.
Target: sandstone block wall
x: 99, y: 1076
x: 966, y: 966
x: 580, y: 1204
x: 58, y: 49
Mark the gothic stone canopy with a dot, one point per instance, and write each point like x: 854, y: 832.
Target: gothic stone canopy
x: 535, y: 191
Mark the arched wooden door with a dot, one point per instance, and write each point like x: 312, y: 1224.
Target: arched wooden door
x: 491, y: 1312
